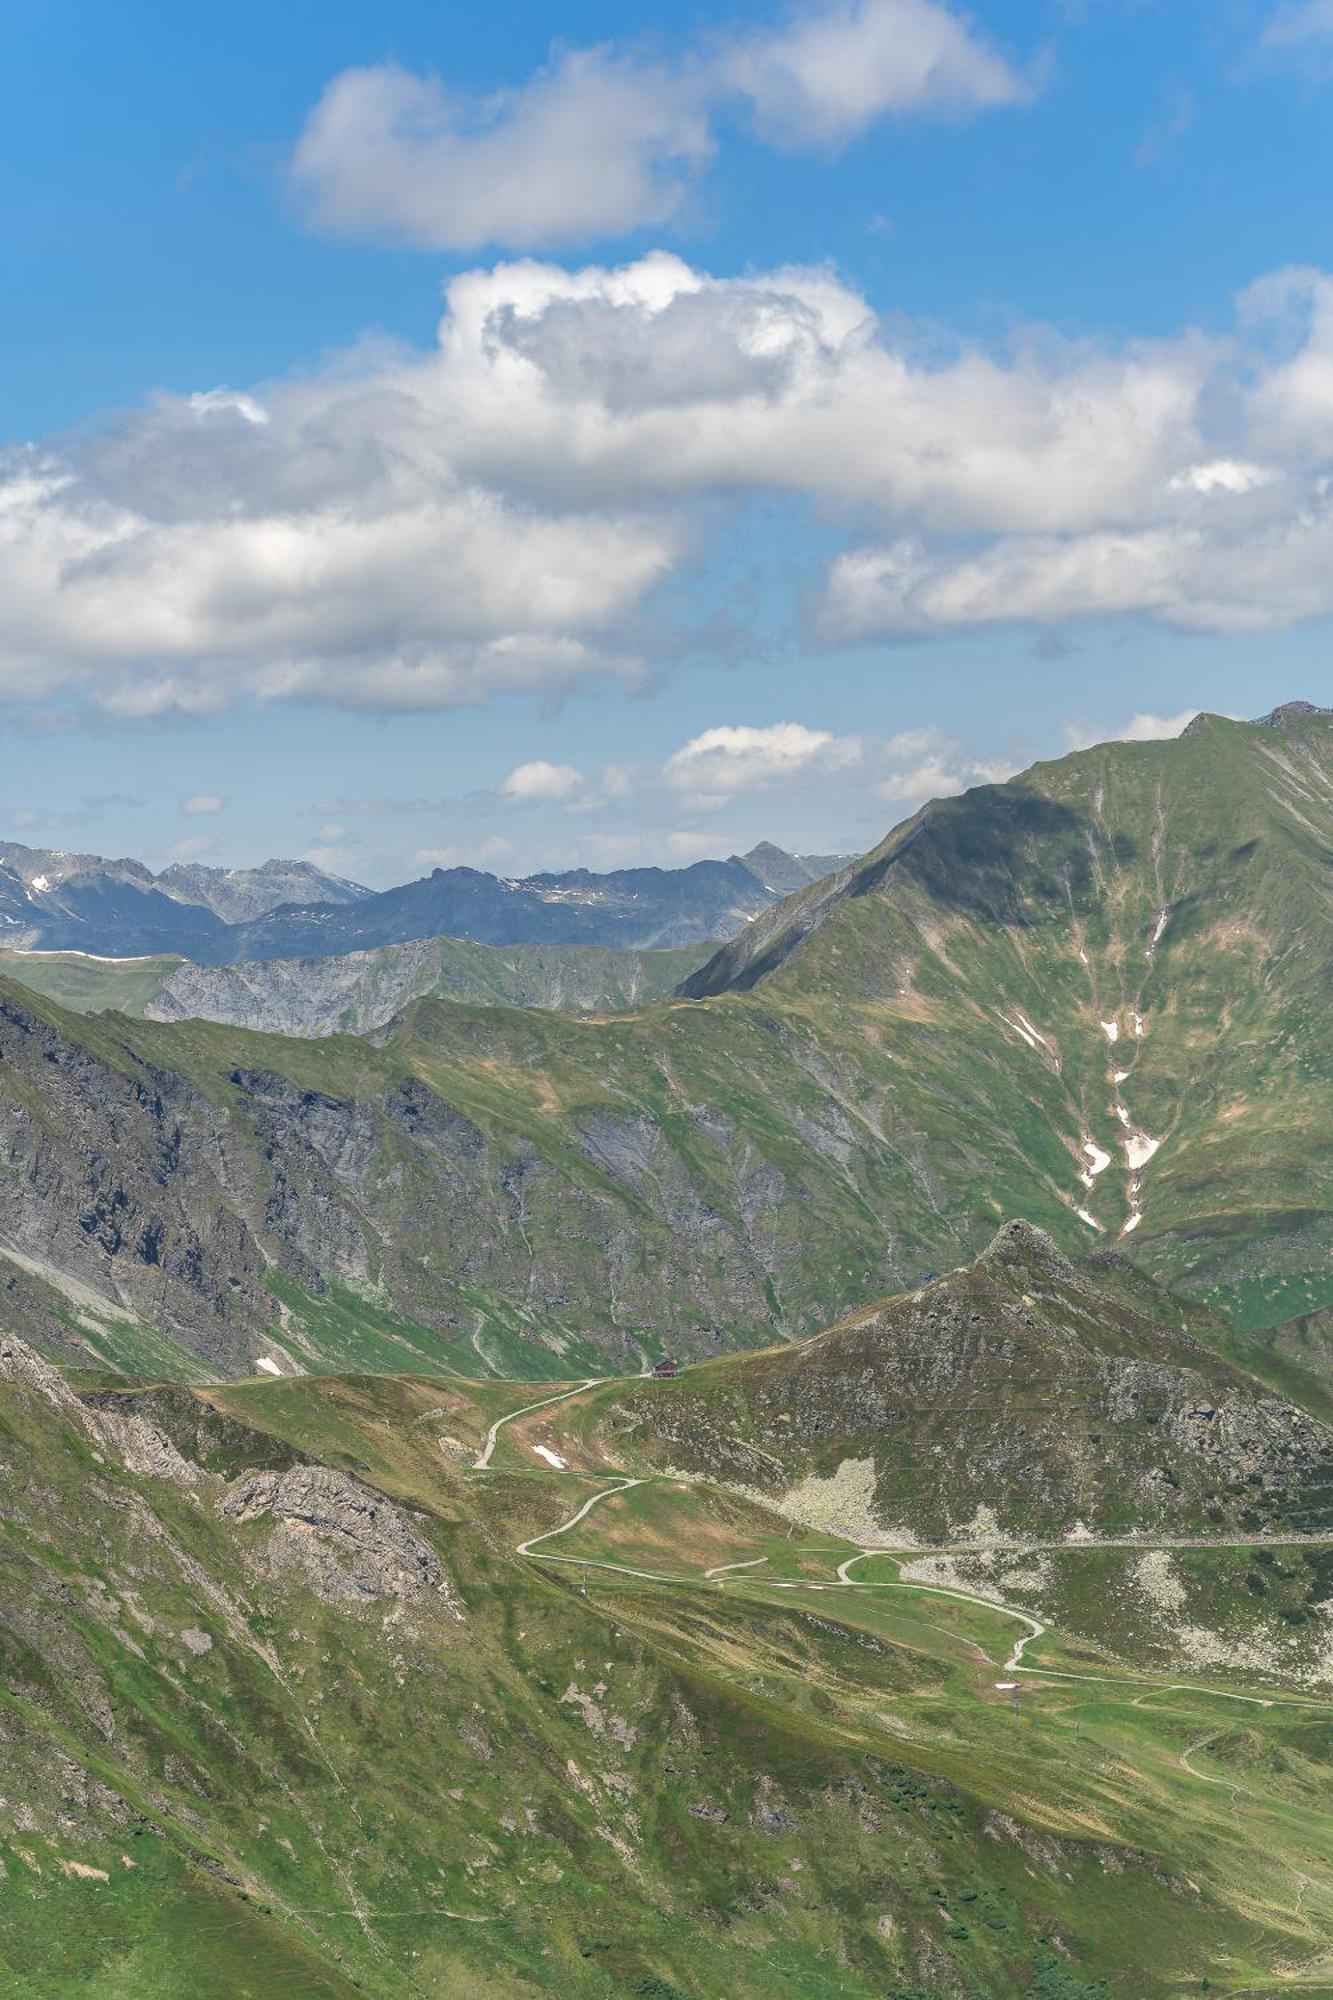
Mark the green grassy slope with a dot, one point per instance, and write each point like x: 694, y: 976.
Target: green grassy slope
x: 90, y: 985
x: 1176, y: 892
x: 244, y: 1750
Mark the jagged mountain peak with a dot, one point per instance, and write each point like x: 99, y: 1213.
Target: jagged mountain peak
x: 1290, y: 711
x: 1022, y: 1244
x: 286, y: 909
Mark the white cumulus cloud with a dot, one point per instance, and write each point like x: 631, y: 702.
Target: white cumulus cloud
x: 414, y: 530
x: 205, y: 802
x: 929, y: 764
x: 729, y: 759
x: 1141, y: 728
x: 604, y: 141
x: 831, y: 70
x: 595, y: 146
x: 542, y: 781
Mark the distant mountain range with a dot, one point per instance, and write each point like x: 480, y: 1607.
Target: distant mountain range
x: 53, y: 901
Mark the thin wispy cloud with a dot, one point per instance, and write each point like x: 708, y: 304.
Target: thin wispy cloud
x: 1300, y: 26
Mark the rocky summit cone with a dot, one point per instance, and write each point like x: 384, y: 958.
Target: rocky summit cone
x: 1018, y: 1397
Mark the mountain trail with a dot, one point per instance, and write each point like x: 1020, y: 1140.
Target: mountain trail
x: 543, y: 1403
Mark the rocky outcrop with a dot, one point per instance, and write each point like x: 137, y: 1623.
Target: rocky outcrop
x: 127, y: 1178
x: 22, y: 1364
x: 348, y: 1542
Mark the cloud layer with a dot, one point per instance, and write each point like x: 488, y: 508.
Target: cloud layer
x: 408, y: 530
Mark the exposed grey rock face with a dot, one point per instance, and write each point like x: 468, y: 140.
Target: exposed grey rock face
x: 175, y: 1199
x: 349, y: 1542
x: 116, y: 1426
x: 19, y: 1363
x: 133, y: 1183
x: 145, y: 1449
x: 240, y: 894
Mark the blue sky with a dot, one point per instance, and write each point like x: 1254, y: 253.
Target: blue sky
x: 832, y: 405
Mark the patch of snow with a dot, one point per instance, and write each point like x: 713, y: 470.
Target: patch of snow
x: 1133, y: 1223
x: 1100, y: 1160
x: 1091, y: 1220
x: 1083, y: 956
x: 1122, y: 1076
x: 1163, y: 919
x: 552, y: 1458
x: 268, y: 1366
x: 40, y: 884
x: 1139, y: 1149
x: 1111, y: 1030
x: 1138, y: 1027
x: 1030, y: 1034
x: 97, y: 957
x: 1006, y: 1687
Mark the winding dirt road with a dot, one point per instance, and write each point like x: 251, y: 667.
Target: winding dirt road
x: 1013, y: 1665
x: 525, y: 1410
